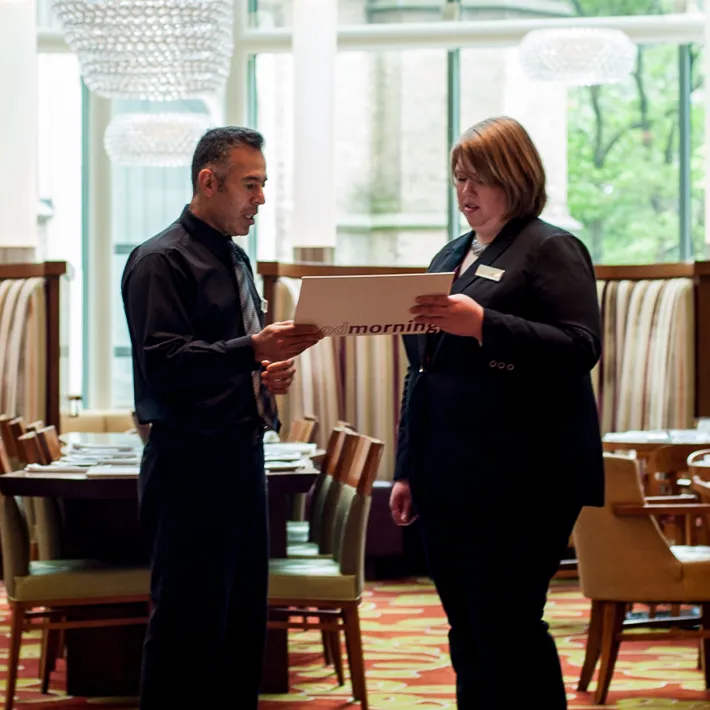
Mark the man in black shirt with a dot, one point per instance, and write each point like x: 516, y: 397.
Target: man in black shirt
x: 205, y: 372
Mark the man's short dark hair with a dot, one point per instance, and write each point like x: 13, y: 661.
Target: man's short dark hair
x: 216, y: 145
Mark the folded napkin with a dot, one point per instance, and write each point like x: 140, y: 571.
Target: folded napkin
x: 289, y: 447
x: 52, y: 468
x: 111, y: 471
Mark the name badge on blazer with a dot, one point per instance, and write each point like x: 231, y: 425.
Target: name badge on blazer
x: 488, y: 272
x: 264, y: 305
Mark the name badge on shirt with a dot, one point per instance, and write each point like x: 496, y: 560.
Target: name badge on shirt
x: 264, y: 305
x: 488, y: 272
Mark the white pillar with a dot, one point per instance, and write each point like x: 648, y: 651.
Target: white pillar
x: 706, y: 94
x: 18, y: 125
x: 100, y: 356
x: 315, y: 24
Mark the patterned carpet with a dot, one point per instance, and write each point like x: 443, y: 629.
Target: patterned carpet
x: 408, y: 666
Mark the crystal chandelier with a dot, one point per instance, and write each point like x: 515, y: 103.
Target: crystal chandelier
x: 154, y: 139
x: 577, y: 56
x: 150, y: 49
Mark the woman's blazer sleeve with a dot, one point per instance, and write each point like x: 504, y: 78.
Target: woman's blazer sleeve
x: 565, y: 332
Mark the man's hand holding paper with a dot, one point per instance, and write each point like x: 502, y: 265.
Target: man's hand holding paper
x: 282, y: 341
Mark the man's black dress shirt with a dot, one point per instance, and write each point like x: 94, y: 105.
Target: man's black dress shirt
x: 192, y: 361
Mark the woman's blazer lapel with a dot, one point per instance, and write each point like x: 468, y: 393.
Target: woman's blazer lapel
x: 450, y: 260
x: 447, y: 260
x: 504, y: 239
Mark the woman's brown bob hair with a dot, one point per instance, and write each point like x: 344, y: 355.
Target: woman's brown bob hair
x: 499, y: 151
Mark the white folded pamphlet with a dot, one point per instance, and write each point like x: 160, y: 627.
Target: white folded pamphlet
x: 367, y: 305
x: 111, y: 471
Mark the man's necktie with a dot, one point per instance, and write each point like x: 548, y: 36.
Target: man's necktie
x: 265, y: 403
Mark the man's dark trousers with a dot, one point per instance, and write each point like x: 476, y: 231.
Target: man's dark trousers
x: 203, y: 511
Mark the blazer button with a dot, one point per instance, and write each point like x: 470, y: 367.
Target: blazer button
x: 510, y: 367
x: 501, y: 366
x: 492, y: 363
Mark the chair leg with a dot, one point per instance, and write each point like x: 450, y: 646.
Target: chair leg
x: 54, y: 645
x: 326, y: 648
x: 18, y: 622
x: 700, y: 664
x: 44, y: 651
x: 353, y: 643
x: 594, y: 642
x: 612, y: 624
x: 336, y: 654
x: 705, y: 643
x: 62, y: 642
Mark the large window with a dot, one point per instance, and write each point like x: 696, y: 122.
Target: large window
x: 277, y: 13
x: 636, y: 166
x: 390, y: 155
x: 612, y: 153
x: 625, y: 163
x: 144, y: 201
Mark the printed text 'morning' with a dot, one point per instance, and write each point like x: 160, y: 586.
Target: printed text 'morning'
x: 346, y: 328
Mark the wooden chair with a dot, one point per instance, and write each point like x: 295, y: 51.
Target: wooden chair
x: 667, y: 468
x: 328, y: 591
x: 5, y: 465
x: 696, y: 465
x: 322, y: 540
x: 35, y: 426
x: 307, y: 530
x: 7, y: 436
x: 305, y: 430
x: 668, y: 475
x: 49, y: 591
x: 47, y: 517
x: 49, y: 443
x: 623, y: 557
x: 16, y: 429
x: 30, y: 449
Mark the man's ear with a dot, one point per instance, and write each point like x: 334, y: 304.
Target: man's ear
x: 207, y: 181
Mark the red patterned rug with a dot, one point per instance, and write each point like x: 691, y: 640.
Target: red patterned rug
x: 406, y: 650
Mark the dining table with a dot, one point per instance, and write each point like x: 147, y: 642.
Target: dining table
x: 100, y: 521
x: 644, y: 442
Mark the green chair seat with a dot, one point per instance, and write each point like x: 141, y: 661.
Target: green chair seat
x: 297, y: 531
x: 305, y: 549
x: 79, y: 579
x: 318, y: 578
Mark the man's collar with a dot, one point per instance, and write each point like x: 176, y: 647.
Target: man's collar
x: 201, y: 230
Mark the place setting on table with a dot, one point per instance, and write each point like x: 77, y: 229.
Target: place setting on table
x: 95, y: 457
x: 647, y: 440
x: 288, y: 456
x: 91, y: 461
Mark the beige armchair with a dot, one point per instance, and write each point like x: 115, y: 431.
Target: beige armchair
x: 623, y: 557
x: 97, y: 420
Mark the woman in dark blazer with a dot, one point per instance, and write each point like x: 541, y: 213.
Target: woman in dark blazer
x: 499, y: 444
